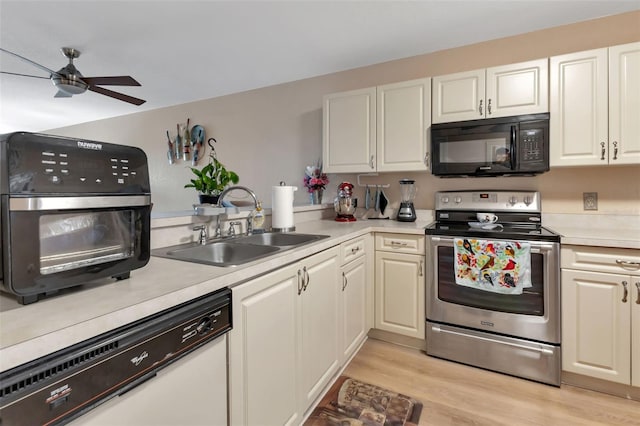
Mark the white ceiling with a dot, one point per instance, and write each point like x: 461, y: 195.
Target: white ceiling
x: 182, y: 51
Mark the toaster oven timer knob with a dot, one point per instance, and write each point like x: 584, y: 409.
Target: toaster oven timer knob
x: 527, y: 200
x: 513, y: 200
x: 457, y: 200
x: 444, y: 200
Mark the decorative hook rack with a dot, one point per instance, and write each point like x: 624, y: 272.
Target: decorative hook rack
x: 384, y: 185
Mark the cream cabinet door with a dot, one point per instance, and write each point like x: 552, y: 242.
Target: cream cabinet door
x: 263, y: 361
x: 458, y: 97
x: 353, y: 287
x: 399, y: 283
x: 349, y: 131
x: 318, y: 321
x: 517, y: 89
x: 596, y: 325
x: 624, y: 104
x: 578, y: 109
x: 403, y: 120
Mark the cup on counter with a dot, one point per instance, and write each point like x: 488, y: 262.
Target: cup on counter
x: 487, y: 217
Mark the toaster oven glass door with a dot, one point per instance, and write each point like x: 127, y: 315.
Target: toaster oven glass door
x: 75, y: 240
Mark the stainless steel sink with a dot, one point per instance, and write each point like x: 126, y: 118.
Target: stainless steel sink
x: 238, y: 250
x: 279, y: 240
x: 217, y: 253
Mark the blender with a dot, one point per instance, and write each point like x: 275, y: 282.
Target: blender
x: 406, y: 212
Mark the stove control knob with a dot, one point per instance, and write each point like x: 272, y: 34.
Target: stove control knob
x: 527, y: 200
x: 513, y: 200
x: 444, y: 200
x: 457, y: 200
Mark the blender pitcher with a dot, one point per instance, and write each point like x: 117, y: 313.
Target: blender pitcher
x: 406, y: 212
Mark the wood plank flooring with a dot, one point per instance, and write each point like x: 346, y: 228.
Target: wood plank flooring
x: 455, y: 394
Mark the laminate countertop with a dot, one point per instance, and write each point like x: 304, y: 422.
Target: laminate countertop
x: 31, y: 331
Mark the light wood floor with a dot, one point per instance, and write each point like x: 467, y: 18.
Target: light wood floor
x: 455, y: 394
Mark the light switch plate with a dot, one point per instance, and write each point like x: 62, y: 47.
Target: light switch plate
x: 590, y: 200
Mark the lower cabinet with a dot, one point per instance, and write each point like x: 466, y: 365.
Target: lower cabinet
x: 353, y: 291
x: 601, y: 314
x: 399, y: 284
x: 283, y: 349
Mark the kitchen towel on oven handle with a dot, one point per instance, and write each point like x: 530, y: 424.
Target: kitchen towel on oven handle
x: 492, y: 265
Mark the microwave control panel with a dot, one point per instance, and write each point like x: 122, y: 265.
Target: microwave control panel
x: 38, y: 164
x: 532, y: 145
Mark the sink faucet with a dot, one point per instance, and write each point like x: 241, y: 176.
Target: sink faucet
x: 248, y: 191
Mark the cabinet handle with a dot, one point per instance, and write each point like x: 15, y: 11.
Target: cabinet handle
x: 628, y: 263
x: 615, y: 150
x: 426, y: 159
x: 489, y: 106
x: 421, y: 272
x: 344, y: 281
x: 305, y: 279
x: 371, y: 162
x: 300, y: 279
x: 398, y: 243
x: 638, y: 298
x: 480, y: 107
x: 603, y: 151
x: 355, y: 249
x: 626, y: 292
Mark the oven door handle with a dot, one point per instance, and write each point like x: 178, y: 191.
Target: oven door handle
x: 544, y: 351
x: 536, y: 246
x: 74, y: 203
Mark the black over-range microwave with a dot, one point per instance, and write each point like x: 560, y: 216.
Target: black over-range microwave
x: 517, y: 145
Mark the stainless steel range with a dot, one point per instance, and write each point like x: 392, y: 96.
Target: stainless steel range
x: 493, y: 296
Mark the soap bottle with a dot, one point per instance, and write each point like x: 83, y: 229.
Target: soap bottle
x: 258, y: 219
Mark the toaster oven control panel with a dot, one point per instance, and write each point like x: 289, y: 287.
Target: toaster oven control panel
x: 44, y: 164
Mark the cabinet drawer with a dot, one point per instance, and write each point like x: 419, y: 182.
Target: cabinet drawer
x: 351, y: 250
x: 400, y: 243
x: 601, y: 259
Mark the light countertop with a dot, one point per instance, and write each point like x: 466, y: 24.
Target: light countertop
x: 31, y: 331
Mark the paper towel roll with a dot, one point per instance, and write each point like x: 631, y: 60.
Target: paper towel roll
x: 282, y: 208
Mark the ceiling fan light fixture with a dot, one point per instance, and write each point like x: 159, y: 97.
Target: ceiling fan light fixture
x: 71, y: 86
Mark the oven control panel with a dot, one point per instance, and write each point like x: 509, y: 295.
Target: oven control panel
x: 517, y: 201
x: 38, y: 164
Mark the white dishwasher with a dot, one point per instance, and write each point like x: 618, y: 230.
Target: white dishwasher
x: 167, y: 369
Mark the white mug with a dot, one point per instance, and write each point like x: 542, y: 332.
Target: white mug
x: 487, y: 218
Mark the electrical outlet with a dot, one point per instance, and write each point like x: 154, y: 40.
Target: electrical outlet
x: 590, y: 200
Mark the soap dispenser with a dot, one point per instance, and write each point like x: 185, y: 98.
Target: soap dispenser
x: 258, y: 219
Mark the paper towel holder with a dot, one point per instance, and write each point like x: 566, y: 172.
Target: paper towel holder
x: 287, y: 228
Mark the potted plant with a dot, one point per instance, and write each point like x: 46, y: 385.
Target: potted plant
x: 211, y: 181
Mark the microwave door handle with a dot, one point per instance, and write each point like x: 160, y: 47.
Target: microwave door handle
x: 512, y: 153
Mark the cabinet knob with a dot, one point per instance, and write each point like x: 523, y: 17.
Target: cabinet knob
x: 626, y: 292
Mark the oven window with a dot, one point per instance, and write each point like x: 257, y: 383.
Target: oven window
x: 76, y: 240
x: 530, y: 302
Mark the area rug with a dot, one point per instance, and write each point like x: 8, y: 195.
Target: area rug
x: 350, y: 402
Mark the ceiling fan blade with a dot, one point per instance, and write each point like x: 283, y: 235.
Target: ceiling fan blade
x: 116, y: 95
x: 123, y: 80
x: 61, y: 94
x: 35, y: 64
x: 23, y: 75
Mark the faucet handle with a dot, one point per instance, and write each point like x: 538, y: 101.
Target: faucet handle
x: 202, y: 237
x: 232, y: 229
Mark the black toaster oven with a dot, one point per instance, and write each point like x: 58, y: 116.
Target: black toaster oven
x: 72, y: 212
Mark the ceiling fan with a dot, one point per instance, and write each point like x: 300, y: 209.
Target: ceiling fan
x: 70, y: 82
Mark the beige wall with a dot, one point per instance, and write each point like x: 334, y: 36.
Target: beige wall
x: 269, y: 135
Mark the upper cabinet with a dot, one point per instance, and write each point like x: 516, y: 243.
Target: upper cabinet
x: 502, y: 91
x: 595, y: 105
x: 378, y: 129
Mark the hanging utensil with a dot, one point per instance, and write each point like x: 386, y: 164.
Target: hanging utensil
x: 377, y: 198
x: 367, y: 196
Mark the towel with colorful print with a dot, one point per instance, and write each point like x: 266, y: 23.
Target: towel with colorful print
x: 496, y: 266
